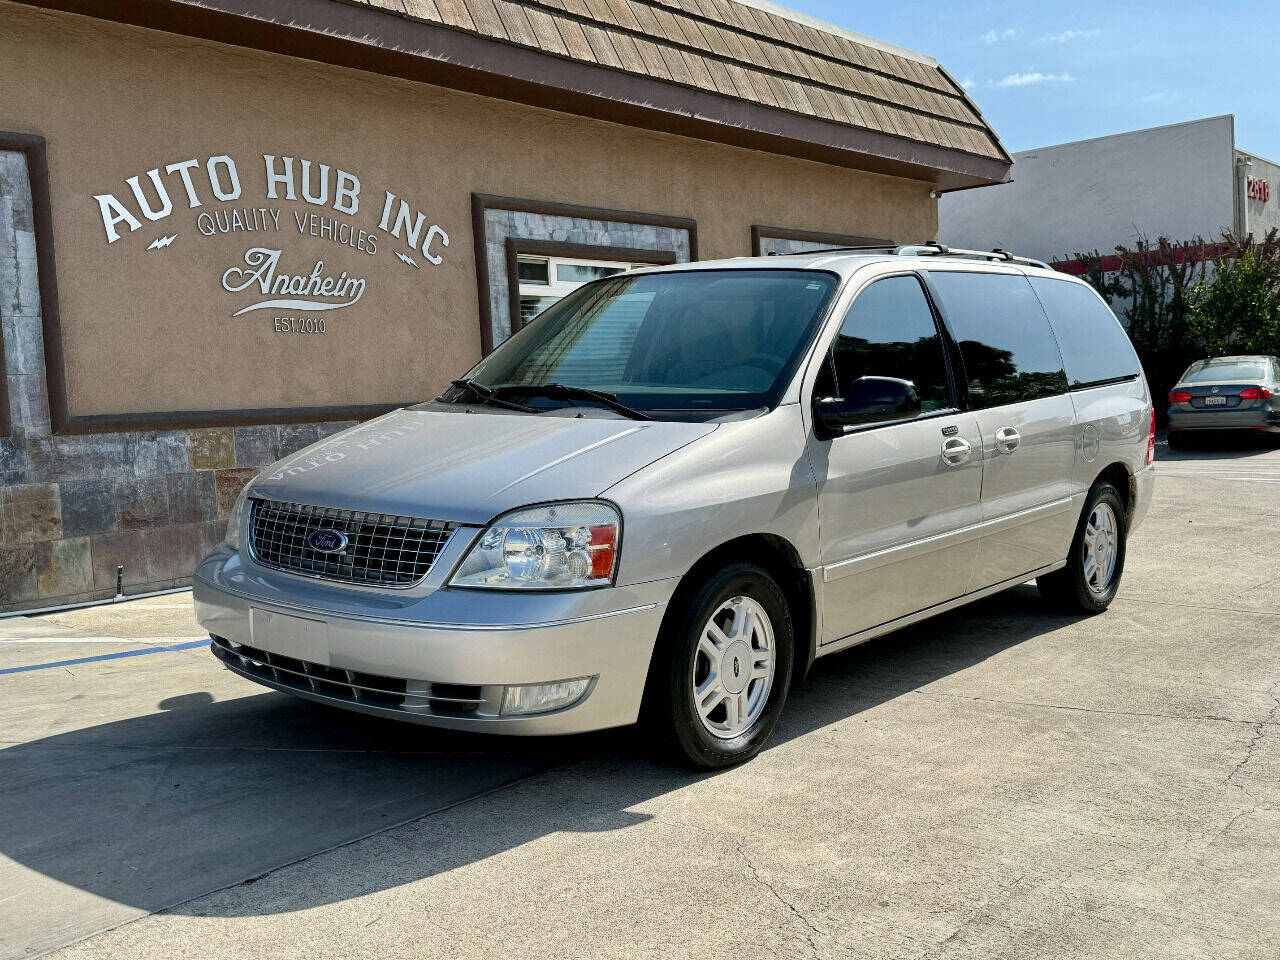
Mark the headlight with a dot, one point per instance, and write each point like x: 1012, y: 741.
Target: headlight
x: 237, y: 520
x: 554, y: 547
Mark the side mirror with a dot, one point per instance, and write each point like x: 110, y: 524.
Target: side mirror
x: 869, y: 400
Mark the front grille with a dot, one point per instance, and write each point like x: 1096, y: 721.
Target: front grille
x: 381, y: 549
x: 352, y: 686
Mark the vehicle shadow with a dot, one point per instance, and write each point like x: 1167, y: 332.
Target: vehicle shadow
x: 158, y: 809
x: 1221, y: 445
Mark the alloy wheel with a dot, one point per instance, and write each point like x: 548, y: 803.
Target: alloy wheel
x: 734, y: 666
x: 1101, y: 549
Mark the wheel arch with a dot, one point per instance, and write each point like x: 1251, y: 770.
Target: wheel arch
x: 780, y: 558
x: 1119, y: 476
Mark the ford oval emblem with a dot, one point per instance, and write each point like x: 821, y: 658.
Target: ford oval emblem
x: 327, y: 541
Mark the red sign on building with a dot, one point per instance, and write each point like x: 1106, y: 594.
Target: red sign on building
x: 1259, y: 189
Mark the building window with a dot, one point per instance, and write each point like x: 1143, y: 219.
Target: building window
x: 542, y: 233
x: 544, y: 280
x: 780, y: 241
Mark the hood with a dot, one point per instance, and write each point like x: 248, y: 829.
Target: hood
x: 468, y: 464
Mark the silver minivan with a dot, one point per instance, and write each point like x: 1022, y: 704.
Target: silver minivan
x: 663, y: 498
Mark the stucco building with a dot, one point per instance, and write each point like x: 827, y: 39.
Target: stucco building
x: 228, y: 230
x: 1180, y: 181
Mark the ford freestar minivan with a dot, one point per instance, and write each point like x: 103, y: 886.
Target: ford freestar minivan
x: 665, y: 496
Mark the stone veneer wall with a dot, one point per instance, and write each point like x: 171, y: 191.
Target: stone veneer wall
x: 74, y: 508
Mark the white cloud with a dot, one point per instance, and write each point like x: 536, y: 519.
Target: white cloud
x: 995, y: 36
x: 967, y: 83
x: 1027, y: 79
x: 1155, y: 97
x: 1066, y: 36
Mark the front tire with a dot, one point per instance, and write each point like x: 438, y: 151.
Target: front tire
x: 722, y: 668
x: 1089, y: 581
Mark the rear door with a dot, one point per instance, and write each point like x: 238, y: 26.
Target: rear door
x: 896, y: 492
x: 1017, y: 389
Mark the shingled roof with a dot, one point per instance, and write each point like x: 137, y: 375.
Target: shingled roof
x: 749, y: 73
x: 741, y: 51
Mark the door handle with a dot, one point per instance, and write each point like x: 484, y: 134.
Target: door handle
x: 1007, y: 440
x: 955, y: 451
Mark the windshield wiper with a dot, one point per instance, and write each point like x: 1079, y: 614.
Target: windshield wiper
x: 486, y: 395
x: 562, y: 391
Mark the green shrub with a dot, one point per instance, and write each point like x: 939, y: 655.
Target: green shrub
x: 1238, y: 309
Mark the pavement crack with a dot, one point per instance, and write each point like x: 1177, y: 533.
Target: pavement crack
x: 970, y: 917
x: 1259, y: 734
x: 1264, y: 583
x: 1272, y: 719
x: 1163, y: 602
x: 1223, y: 830
x: 791, y: 907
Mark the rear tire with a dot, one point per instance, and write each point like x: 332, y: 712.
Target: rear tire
x: 1089, y: 581
x: 731, y: 646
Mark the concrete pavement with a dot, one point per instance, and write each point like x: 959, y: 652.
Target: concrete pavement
x: 133, y: 783
x: 1000, y: 782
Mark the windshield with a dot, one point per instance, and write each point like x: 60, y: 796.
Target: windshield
x: 1229, y: 370
x: 694, y: 343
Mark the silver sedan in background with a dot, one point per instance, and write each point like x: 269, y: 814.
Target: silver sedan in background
x: 1225, y: 393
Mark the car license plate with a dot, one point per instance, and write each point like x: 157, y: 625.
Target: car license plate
x: 290, y: 636
x: 1215, y: 401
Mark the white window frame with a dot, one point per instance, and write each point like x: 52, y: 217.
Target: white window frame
x: 555, y: 289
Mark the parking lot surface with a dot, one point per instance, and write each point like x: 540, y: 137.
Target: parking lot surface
x: 999, y: 782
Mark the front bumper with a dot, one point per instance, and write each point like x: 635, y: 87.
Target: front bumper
x: 426, y: 661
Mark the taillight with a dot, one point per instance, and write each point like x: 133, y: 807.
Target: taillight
x: 1180, y: 396
x: 1151, y: 439
x: 1255, y: 393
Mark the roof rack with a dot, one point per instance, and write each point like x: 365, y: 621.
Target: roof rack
x: 935, y: 249
x: 930, y: 249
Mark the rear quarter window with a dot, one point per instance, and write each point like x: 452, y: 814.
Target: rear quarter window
x: 1095, y: 348
x: 1010, y: 354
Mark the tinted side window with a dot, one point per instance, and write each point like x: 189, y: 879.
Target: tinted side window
x: 889, y: 334
x: 1009, y: 351
x: 1094, y: 346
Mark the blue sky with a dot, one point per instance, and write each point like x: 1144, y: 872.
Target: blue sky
x: 1045, y: 74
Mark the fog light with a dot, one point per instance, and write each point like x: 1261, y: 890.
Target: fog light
x: 523, y: 699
